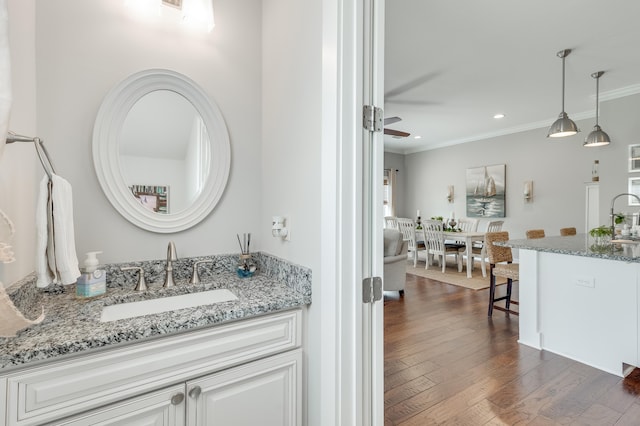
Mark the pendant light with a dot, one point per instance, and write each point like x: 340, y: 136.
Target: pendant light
x: 597, y: 137
x: 563, y: 126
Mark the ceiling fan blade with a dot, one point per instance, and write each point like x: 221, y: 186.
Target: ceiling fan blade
x: 396, y: 133
x: 391, y: 120
x: 411, y: 84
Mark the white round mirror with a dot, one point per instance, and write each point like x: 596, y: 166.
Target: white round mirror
x: 161, y: 151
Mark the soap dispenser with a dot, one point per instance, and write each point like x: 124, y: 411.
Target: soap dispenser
x: 92, y: 281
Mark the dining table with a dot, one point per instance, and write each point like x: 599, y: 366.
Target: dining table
x: 468, y: 237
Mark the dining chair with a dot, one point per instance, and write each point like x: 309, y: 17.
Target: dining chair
x: 565, y: 232
x: 408, y: 228
x: 391, y: 222
x: 501, y: 265
x: 535, y: 233
x: 465, y: 225
x: 434, y: 240
x: 468, y: 224
x: 495, y: 225
x: 479, y: 249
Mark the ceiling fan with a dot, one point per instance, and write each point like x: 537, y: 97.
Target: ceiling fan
x: 395, y: 133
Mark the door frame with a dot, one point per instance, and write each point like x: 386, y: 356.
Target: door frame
x: 348, y: 395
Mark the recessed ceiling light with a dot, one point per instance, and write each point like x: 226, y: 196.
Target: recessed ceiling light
x: 498, y: 116
x: 417, y: 137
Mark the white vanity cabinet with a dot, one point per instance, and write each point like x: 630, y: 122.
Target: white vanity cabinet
x: 263, y: 392
x: 229, y: 374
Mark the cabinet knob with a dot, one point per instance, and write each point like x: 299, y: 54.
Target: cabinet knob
x: 195, y: 392
x: 177, y: 398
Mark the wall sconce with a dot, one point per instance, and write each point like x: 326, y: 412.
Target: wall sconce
x: 450, y: 193
x: 144, y: 8
x: 198, y: 13
x: 279, y: 228
x: 528, y: 191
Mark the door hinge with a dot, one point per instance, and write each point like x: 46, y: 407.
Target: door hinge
x: 372, y: 118
x: 371, y: 289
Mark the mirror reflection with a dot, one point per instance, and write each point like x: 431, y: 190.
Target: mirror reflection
x: 164, y: 152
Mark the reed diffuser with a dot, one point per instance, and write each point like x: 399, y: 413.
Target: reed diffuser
x: 246, y: 268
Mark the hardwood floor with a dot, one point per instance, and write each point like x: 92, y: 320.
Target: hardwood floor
x: 447, y: 363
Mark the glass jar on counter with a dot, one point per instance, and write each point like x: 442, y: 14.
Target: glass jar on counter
x: 246, y: 266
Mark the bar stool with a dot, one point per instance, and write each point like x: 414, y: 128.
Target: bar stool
x: 511, y: 271
x: 535, y: 233
x: 565, y: 232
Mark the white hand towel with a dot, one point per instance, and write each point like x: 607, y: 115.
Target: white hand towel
x: 56, y: 258
x: 63, y: 233
x: 45, y: 275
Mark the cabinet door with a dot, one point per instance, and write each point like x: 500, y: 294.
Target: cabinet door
x: 265, y: 392
x: 162, y: 408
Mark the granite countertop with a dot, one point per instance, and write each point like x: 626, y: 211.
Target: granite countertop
x: 580, y: 245
x: 72, y: 325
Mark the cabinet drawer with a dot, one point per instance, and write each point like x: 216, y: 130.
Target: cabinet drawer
x: 63, y: 388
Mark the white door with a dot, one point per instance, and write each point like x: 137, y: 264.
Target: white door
x: 352, y: 364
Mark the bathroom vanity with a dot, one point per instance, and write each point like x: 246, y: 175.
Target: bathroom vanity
x: 234, y: 362
x: 580, y: 300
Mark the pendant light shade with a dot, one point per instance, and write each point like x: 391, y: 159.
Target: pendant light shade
x: 563, y: 126
x: 597, y: 137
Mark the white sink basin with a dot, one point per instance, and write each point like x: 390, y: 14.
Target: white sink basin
x: 164, y: 304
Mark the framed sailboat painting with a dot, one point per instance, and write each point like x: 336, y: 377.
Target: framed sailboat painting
x: 486, y: 191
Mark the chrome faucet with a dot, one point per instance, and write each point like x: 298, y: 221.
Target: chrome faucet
x: 171, y: 257
x: 613, y: 225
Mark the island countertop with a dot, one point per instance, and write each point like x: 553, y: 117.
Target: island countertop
x: 579, y: 245
x: 73, y: 326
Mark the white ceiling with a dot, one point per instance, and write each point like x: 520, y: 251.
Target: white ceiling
x: 451, y: 65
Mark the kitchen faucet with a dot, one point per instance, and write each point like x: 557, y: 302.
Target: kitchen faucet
x: 613, y: 226
x: 171, y: 257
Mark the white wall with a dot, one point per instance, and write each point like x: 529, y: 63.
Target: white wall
x: 85, y: 48
x: 19, y: 167
x: 291, y: 112
x: 290, y: 186
x: 559, y: 169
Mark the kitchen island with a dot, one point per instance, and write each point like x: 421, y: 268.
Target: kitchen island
x: 580, y: 300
